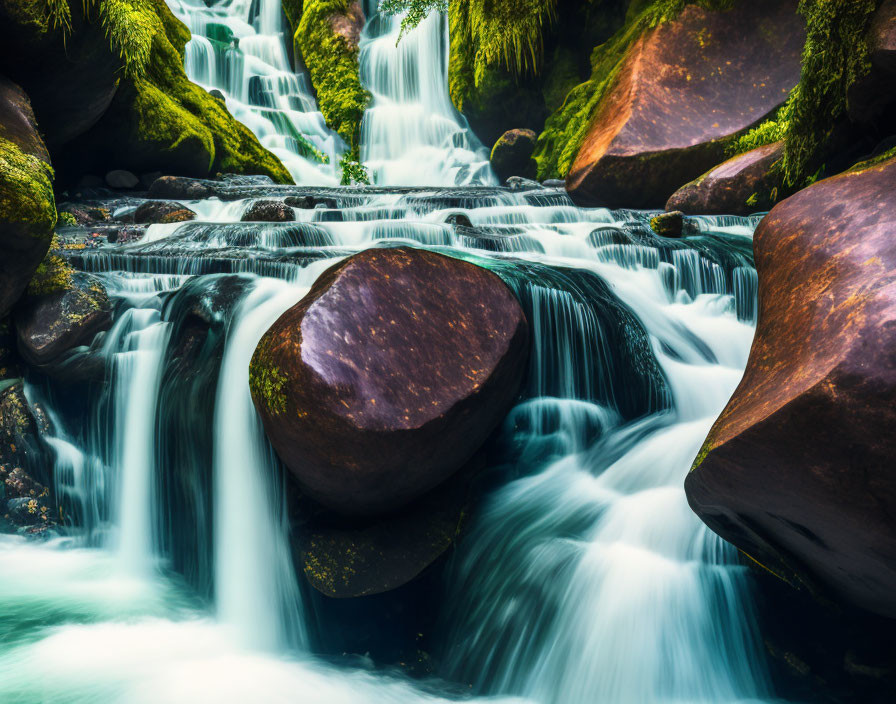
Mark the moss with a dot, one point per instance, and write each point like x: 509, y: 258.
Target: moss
x: 882, y: 158
x: 53, y: 273
x: 566, y: 129
x: 66, y: 220
x: 267, y: 381
x: 332, y: 61
x: 26, y: 192
x: 835, y: 56
x: 168, y: 122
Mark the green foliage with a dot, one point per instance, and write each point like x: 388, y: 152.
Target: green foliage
x: 129, y: 25
x: 834, y: 58
x: 332, y: 62
x: 353, y: 172
x: 418, y: 10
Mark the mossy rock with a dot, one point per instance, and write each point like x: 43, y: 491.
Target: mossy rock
x: 27, y: 206
x: 326, y: 36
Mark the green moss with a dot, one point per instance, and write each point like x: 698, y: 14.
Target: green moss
x: 169, y: 122
x: 52, y: 274
x: 66, y: 220
x: 353, y: 172
x: 566, y: 129
x: 332, y: 62
x: 267, y: 381
x: 882, y: 158
x: 26, y: 192
x: 835, y: 56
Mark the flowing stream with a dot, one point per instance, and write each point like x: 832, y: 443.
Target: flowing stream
x: 582, y: 578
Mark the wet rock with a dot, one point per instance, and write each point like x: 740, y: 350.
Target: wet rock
x: 459, y: 220
x: 308, y: 202
x: 343, y: 559
x: 387, y: 377
x: 217, y: 95
x: 162, y: 211
x: 684, y: 90
x: 553, y: 183
x: 797, y: 471
x: 119, y: 178
x: 668, y: 224
x: 180, y: 188
x: 740, y: 186
x: 512, y: 155
x: 21, y: 429
x: 68, y: 315
x: 268, y: 211
x: 85, y: 213
x: 518, y: 183
x: 27, y: 205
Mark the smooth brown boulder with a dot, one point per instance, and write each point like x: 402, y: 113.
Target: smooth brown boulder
x: 740, y: 186
x: 798, y: 470
x: 684, y: 91
x: 388, y: 376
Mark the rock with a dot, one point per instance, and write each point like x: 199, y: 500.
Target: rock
x: 268, y: 211
x: 388, y: 376
x: 518, y: 183
x: 512, y: 155
x: 64, y: 315
x: 798, y: 470
x: 344, y: 559
x: 459, y: 220
x: 27, y: 205
x: 218, y: 95
x: 119, y: 178
x: 162, y: 211
x: 882, y: 39
x: 21, y: 429
x: 740, y: 186
x: 554, y: 183
x: 668, y: 224
x: 684, y: 90
x: 180, y: 188
x: 310, y: 202
x: 85, y: 213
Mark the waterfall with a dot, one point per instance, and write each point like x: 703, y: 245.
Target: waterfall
x: 239, y: 48
x: 256, y: 590
x: 411, y: 134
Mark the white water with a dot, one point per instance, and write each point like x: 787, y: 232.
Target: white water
x: 411, y: 134
x: 256, y: 591
x: 239, y: 48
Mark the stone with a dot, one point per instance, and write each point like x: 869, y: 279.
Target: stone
x: 872, y: 95
x: 162, y: 211
x: 181, y: 188
x: 684, y: 91
x: 51, y: 324
x: 119, y: 178
x: 798, y: 470
x: 512, y: 155
x: 27, y: 204
x: 268, y: 211
x: 459, y: 220
x: 668, y: 224
x: 388, y: 376
x: 740, y: 186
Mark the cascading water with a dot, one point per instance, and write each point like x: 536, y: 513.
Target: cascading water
x: 583, y: 578
x: 238, y: 47
x: 411, y: 134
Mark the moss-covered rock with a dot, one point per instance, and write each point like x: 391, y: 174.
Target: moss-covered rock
x: 512, y: 154
x: 27, y: 206
x: 327, y: 36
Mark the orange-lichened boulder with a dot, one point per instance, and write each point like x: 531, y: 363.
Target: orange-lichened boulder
x: 683, y: 91
x: 798, y: 471
x: 388, y: 376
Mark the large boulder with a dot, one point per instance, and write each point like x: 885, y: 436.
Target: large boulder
x: 798, y: 469
x: 27, y: 206
x: 512, y: 155
x: 389, y: 375
x: 873, y: 94
x: 684, y: 90
x: 742, y: 185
